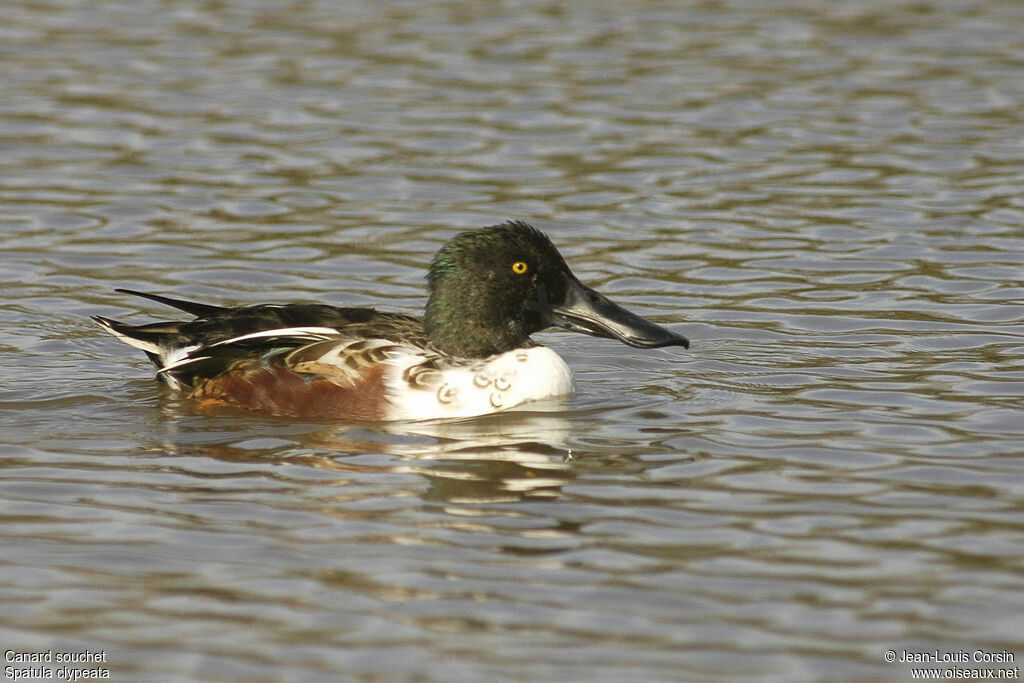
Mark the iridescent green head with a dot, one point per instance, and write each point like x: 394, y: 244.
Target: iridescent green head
x: 490, y: 289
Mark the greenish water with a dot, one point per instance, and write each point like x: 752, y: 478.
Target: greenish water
x: 826, y: 198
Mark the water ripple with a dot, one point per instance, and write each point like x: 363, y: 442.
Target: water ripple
x: 824, y: 199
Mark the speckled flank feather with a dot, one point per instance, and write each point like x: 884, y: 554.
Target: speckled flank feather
x: 431, y: 387
x: 377, y: 380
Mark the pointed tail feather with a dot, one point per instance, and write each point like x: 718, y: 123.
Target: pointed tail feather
x: 131, y: 335
x: 196, y: 309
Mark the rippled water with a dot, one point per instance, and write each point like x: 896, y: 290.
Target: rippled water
x: 825, y: 197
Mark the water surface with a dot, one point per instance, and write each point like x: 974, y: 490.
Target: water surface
x: 824, y: 198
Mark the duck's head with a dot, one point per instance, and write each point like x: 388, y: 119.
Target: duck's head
x: 490, y: 289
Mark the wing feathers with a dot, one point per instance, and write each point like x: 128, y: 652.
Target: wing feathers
x: 300, y: 334
x: 288, y: 359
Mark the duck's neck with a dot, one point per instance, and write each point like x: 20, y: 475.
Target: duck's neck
x: 460, y: 326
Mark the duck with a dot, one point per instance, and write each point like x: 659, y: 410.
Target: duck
x: 470, y: 354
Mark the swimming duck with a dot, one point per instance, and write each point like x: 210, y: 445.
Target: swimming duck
x: 471, y: 353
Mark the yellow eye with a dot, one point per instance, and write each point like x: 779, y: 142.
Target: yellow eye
x: 519, y: 267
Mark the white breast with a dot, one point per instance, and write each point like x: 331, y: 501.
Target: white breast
x: 497, y: 383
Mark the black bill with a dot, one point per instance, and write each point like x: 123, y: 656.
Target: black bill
x: 586, y: 311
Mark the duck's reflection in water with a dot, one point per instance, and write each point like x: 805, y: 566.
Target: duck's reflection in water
x: 501, y: 457
x: 506, y: 456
